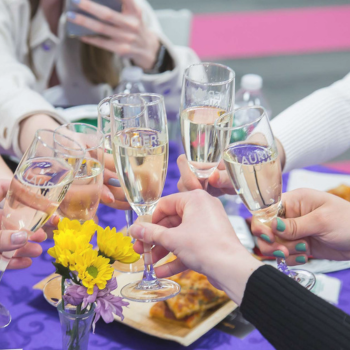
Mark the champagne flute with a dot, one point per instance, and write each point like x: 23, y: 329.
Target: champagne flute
x: 140, y: 149
x: 251, y: 160
x: 82, y: 199
x: 104, y: 124
x: 207, y: 92
x: 40, y: 183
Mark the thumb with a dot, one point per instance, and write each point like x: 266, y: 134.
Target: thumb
x: 151, y: 234
x: 4, y: 186
x: 10, y: 240
x: 294, y: 228
x: 220, y: 179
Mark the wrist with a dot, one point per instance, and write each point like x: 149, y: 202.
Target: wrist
x: 232, y: 272
x: 149, y: 58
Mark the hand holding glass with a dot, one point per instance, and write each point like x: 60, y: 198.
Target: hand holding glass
x: 39, y: 185
x: 251, y: 159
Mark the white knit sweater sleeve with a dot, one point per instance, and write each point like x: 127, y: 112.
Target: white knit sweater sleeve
x: 317, y: 128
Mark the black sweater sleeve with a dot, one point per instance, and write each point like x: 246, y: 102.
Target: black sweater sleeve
x: 291, y: 317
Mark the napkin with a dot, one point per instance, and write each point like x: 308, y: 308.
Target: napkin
x: 316, y: 181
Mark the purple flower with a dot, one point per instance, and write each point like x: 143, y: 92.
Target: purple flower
x: 107, y: 304
x: 74, y: 294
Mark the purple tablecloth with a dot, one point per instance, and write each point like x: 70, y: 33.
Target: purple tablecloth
x: 35, y: 324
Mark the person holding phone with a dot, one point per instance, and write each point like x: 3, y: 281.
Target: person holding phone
x: 42, y: 66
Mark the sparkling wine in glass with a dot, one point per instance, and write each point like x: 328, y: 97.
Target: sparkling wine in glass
x: 104, y: 124
x: 251, y: 159
x: 207, y: 93
x: 82, y: 199
x: 140, y: 149
x: 39, y: 185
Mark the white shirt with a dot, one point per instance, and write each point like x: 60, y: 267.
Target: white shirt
x: 317, y: 128
x: 23, y: 94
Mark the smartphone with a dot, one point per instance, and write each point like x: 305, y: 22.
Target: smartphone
x: 74, y: 30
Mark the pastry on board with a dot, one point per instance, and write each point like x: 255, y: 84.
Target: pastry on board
x: 189, y: 306
x: 162, y: 312
x: 342, y: 191
x: 197, y: 294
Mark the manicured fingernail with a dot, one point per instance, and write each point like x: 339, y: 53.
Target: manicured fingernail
x: 281, y: 226
x: 71, y: 15
x: 278, y: 254
x: 266, y: 238
x: 300, y: 259
x: 300, y: 247
x: 76, y: 1
x: 19, y: 237
x: 137, y: 231
x: 114, y: 182
x: 111, y: 197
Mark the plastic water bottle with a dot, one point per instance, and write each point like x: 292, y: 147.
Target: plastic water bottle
x: 250, y: 93
x: 130, y: 81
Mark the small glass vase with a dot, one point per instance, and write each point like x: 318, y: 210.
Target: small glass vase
x: 75, y: 327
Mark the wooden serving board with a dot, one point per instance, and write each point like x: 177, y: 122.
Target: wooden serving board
x: 137, y: 316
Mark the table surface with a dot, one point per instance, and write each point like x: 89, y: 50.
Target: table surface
x: 36, y: 326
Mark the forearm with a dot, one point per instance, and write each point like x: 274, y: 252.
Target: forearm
x: 290, y: 317
x: 315, y: 129
x: 30, y: 125
x: 5, y: 171
x: 224, y: 269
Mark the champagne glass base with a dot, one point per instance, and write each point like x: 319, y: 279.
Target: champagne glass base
x: 135, y: 267
x: 52, y: 291
x: 161, y: 289
x: 5, y: 316
x: 305, y: 278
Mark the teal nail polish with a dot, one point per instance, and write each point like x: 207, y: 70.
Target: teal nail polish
x: 300, y: 259
x: 281, y: 226
x: 266, y: 238
x: 300, y: 247
x: 279, y: 254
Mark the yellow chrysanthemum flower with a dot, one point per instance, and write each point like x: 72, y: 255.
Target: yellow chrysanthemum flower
x: 87, y: 229
x: 68, y: 246
x: 93, y: 269
x: 115, y: 246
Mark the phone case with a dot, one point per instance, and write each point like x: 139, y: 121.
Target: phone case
x: 74, y: 30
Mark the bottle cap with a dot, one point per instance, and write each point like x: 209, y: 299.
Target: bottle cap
x: 251, y: 82
x: 132, y: 74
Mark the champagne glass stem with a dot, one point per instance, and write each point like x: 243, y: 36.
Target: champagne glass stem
x: 282, y: 266
x: 281, y: 263
x: 129, y: 216
x: 204, y: 182
x: 149, y: 276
